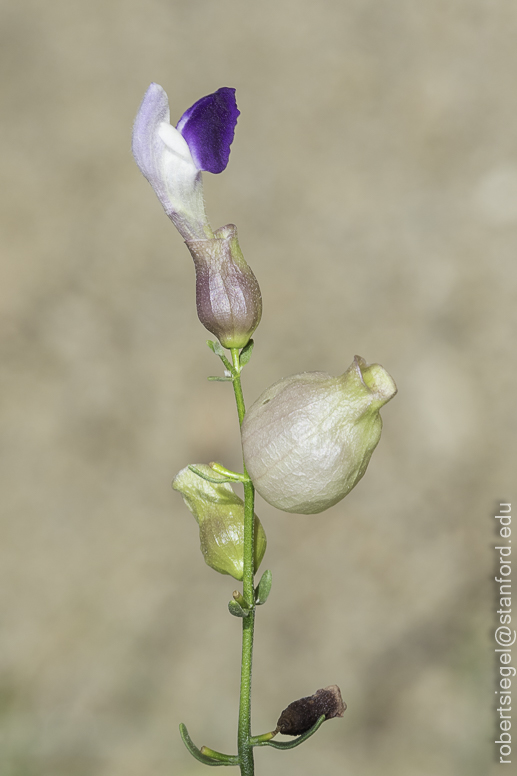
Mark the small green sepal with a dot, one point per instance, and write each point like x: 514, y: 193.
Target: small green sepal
x: 214, y: 758
x: 263, y: 588
x: 236, y: 609
x: 225, y: 759
x: 218, y: 349
x: 245, y: 354
x: 227, y: 475
x: 220, y: 474
x: 215, y: 479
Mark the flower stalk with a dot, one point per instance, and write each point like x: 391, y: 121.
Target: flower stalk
x: 245, y: 748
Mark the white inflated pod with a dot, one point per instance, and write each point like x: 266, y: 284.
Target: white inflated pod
x: 308, y: 439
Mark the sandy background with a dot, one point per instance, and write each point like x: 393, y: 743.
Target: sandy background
x: 373, y: 180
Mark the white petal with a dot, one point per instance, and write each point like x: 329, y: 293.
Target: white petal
x: 165, y: 159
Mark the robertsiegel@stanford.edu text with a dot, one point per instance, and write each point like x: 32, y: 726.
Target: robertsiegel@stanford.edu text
x: 504, y: 635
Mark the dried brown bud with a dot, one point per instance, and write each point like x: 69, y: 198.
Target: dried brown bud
x: 301, y: 715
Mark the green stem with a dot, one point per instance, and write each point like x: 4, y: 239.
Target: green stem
x: 237, y: 387
x: 245, y: 748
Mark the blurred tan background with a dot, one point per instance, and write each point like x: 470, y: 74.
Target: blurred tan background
x: 373, y: 180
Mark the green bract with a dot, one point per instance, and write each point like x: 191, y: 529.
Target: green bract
x: 220, y: 516
x: 309, y: 438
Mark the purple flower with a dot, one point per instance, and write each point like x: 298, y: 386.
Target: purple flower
x: 172, y: 159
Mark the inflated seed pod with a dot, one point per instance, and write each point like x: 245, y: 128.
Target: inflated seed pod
x: 220, y: 516
x: 308, y: 439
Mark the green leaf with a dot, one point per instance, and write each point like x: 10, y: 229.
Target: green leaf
x: 225, y: 759
x: 263, y: 588
x: 219, y: 476
x: 297, y: 741
x: 228, y: 474
x: 217, y: 479
x: 246, y: 352
x: 216, y: 347
x: 215, y: 379
x: 237, y: 610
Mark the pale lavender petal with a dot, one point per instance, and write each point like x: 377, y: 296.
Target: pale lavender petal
x: 147, y: 144
x: 208, y: 127
x: 164, y: 157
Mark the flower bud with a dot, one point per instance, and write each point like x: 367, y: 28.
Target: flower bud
x: 309, y: 438
x: 229, y: 303
x: 302, y: 714
x: 220, y: 516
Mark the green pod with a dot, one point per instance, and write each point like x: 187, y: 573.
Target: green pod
x: 220, y: 515
x: 308, y: 439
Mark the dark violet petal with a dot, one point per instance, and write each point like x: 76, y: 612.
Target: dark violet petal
x: 208, y: 127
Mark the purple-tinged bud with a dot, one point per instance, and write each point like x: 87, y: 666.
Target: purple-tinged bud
x: 228, y: 298
x: 308, y: 439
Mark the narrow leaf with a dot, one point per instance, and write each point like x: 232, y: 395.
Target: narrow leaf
x: 217, y: 479
x: 263, y: 588
x: 226, y: 759
x: 230, y: 475
x: 296, y: 741
x: 195, y: 752
x: 216, y: 347
x: 246, y: 352
x: 237, y: 610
